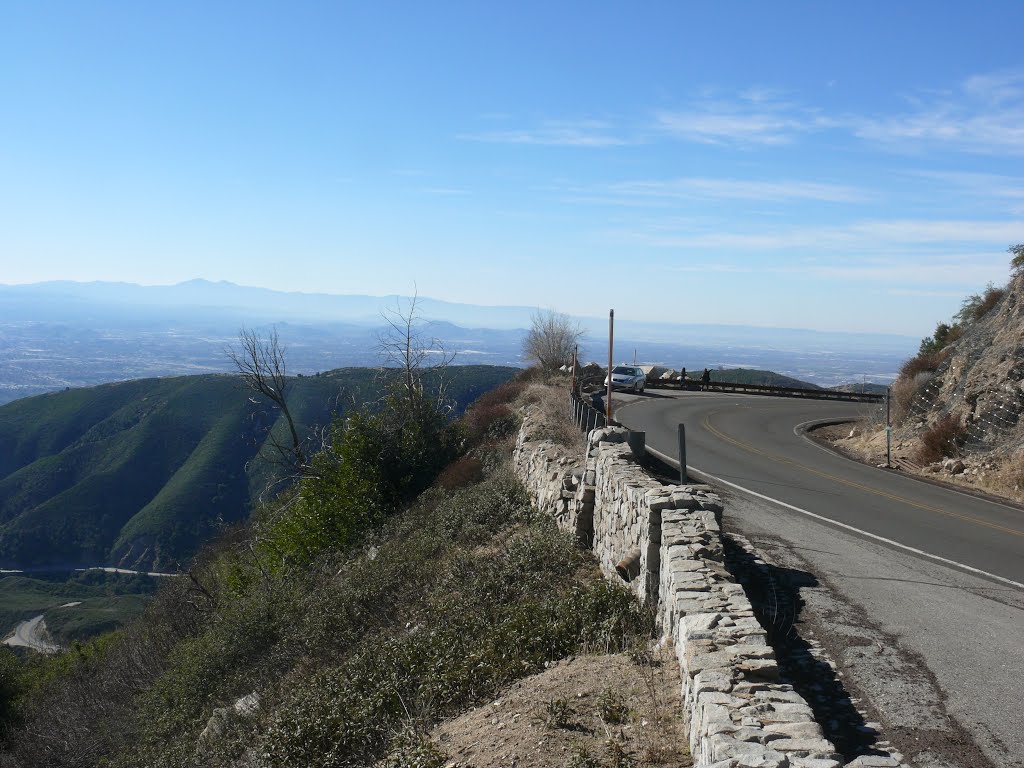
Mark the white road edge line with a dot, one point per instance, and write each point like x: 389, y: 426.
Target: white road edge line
x: 690, y: 468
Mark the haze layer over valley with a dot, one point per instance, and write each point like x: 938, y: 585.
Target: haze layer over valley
x: 64, y: 334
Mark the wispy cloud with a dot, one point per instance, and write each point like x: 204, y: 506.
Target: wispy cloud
x: 927, y: 293
x: 985, y: 114
x: 984, y: 186
x: 713, y: 267
x: 874, y: 235
x: 982, y: 114
x: 996, y: 88
x: 929, y: 274
x: 739, y: 189
x: 949, y: 231
x: 918, y: 271
x: 585, y: 133
x: 752, y: 117
x: 918, y: 254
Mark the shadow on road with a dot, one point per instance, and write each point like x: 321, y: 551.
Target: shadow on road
x: 774, y: 593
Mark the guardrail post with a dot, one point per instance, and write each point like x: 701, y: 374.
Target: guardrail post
x: 637, y: 442
x: 682, y: 453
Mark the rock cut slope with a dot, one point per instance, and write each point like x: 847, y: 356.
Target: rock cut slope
x: 958, y: 410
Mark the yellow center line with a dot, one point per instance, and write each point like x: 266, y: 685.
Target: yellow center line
x: 852, y: 484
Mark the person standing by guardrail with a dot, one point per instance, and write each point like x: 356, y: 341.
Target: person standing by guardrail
x: 705, y: 379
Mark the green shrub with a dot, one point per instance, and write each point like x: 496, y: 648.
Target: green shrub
x: 439, y: 607
x: 13, y: 684
x: 558, y: 713
x: 976, y: 306
x: 944, y: 336
x: 1017, y: 262
x: 492, y: 617
x: 376, y: 462
x: 412, y: 749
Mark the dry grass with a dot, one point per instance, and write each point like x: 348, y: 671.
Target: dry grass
x: 596, y: 711
x: 550, y: 404
x: 904, y: 391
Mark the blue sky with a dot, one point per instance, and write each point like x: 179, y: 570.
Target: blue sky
x: 835, y: 166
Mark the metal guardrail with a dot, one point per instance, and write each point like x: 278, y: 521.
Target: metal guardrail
x: 584, y: 414
x: 764, y: 389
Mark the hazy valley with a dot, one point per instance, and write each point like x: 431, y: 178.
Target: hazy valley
x: 59, y: 335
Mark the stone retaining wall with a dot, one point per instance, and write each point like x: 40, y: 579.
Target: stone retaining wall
x: 669, y: 536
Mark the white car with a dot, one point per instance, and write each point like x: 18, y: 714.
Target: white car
x: 627, y: 377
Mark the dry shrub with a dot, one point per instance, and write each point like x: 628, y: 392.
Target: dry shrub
x: 501, y: 395
x: 530, y: 375
x: 1011, y: 477
x: 942, y: 439
x: 491, y: 421
x: 989, y: 299
x: 460, y: 473
x: 924, y: 362
x: 551, y: 412
x: 903, y: 392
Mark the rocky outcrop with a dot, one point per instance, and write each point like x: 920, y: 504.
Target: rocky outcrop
x: 982, y: 380
x: 665, y: 541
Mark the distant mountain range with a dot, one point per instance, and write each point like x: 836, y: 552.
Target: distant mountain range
x: 66, y: 334
x: 138, y: 474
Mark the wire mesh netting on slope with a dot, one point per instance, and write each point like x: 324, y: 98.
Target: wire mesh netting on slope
x: 980, y: 387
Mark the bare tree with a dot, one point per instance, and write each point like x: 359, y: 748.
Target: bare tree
x: 406, y: 351
x: 551, y: 339
x: 261, y: 364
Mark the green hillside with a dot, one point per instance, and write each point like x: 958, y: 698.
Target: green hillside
x: 140, y: 473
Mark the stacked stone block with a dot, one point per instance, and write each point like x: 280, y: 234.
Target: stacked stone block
x: 556, y: 481
x: 739, y: 713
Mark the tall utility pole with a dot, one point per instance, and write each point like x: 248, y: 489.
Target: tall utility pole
x: 611, y: 347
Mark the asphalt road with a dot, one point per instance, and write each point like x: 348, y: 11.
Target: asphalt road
x: 917, y: 592
x: 750, y: 441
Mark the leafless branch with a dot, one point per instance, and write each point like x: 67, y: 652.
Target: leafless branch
x: 551, y: 339
x: 261, y: 364
x: 405, y: 351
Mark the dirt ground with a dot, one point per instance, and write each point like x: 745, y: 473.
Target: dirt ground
x: 996, y: 473
x: 585, y: 712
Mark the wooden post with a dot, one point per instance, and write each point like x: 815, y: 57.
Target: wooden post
x: 611, y: 347
x: 888, y: 430
x: 575, y: 350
